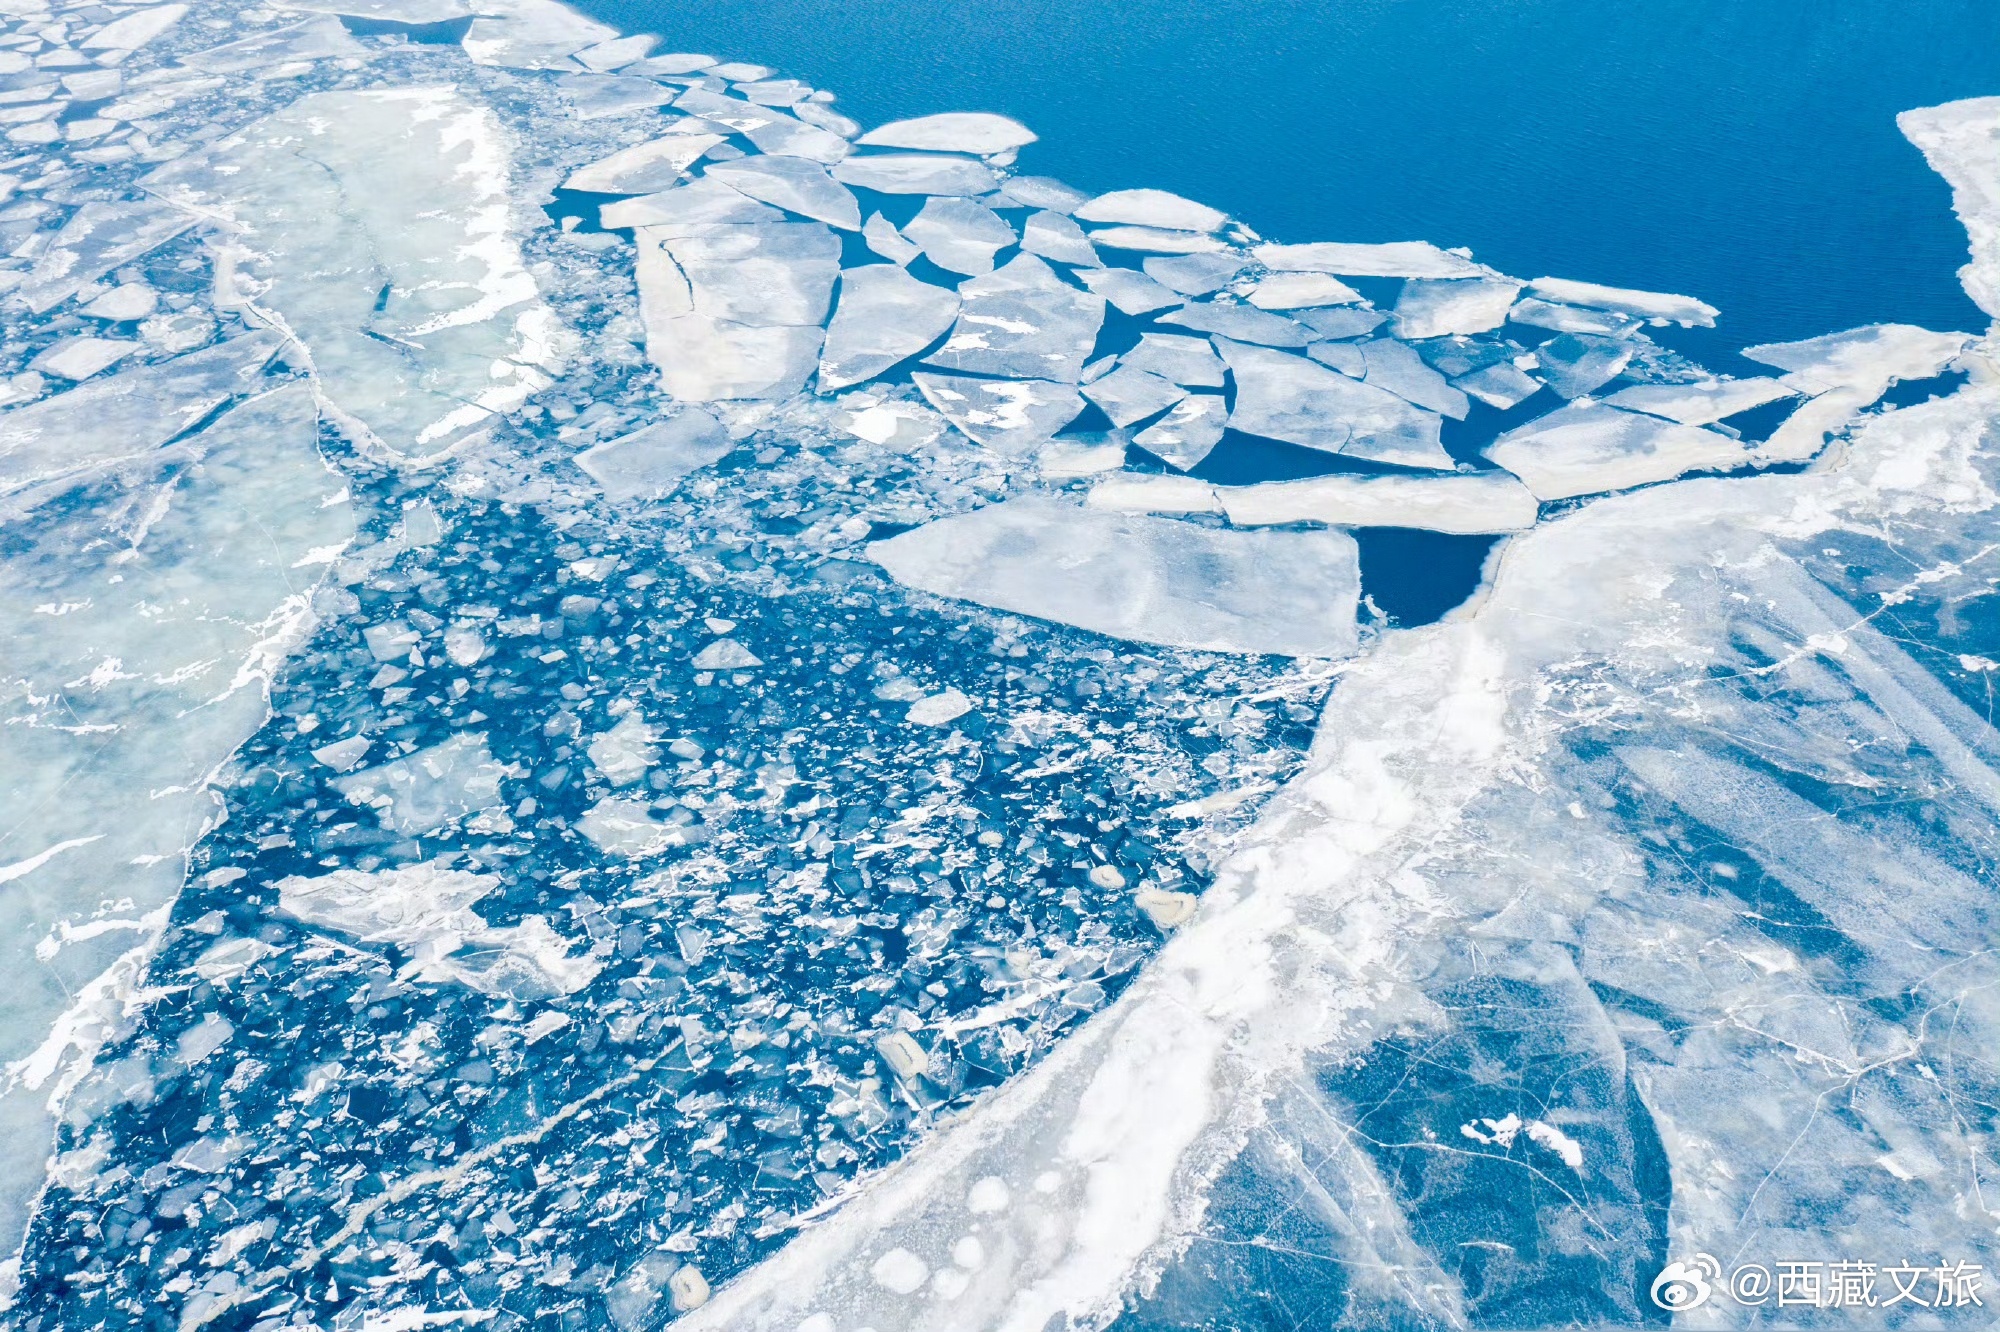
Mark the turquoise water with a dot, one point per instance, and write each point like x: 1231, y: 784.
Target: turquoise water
x: 1746, y: 153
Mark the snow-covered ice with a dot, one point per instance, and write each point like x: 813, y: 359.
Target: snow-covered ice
x: 1465, y: 504
x: 1022, y: 320
x: 1404, y: 259
x: 1638, y: 304
x: 1702, y: 402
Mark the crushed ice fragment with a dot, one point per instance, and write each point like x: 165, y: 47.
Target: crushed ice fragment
x: 122, y: 304
x: 625, y: 827
x: 343, y: 755
x: 938, y: 709
x: 80, y: 358
x: 1502, y: 385
x: 97, y: 237
x: 726, y: 654
x: 685, y: 209
x: 884, y: 315
x: 978, y: 132
x: 1154, y: 580
x: 650, y: 461
x: 313, y: 39
x: 1189, y: 362
x: 594, y: 96
x: 1396, y: 366
x: 1537, y: 313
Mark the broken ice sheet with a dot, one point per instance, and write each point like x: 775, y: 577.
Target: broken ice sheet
x: 377, y: 228
x: 917, y: 173
x: 650, y: 462
x: 644, y: 168
x: 1283, y: 396
x: 1011, y: 416
x: 425, y: 791
x: 978, y: 132
x: 1188, y: 433
x: 97, y: 238
x: 1589, y: 447
x: 1155, y: 580
x: 1127, y: 395
x: 793, y: 184
x: 1021, y: 319
x: 884, y: 316
x: 959, y: 236
x: 1460, y: 504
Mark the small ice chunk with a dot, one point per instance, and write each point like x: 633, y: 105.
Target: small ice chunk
x: 1194, y: 274
x: 1240, y: 323
x: 793, y: 184
x: 595, y: 96
x: 741, y: 71
x: 1188, y: 433
x: 1336, y: 324
x: 657, y: 164
x: 322, y: 38
x: 81, y: 357
x: 987, y: 1197
x: 1132, y: 292
x: 1537, y: 313
x: 1287, y: 397
x: 1010, y: 416
x: 938, y: 709
x: 726, y: 654
x: 688, y: 1287
x: 1153, y: 580
x: 134, y: 300
x: 624, y: 827
x: 1502, y: 384
x: 1874, y: 356
x: 1700, y: 403
x: 959, y: 235
x: 1152, y: 208
x: 917, y: 173
x: 883, y: 317
x: 1167, y: 910
x: 1041, y: 192
x: 979, y: 132
x: 1579, y: 363
x: 686, y: 209
x: 1397, y: 367
x: 1022, y: 320
x: 1189, y: 362
x: 1469, y: 504
x: 1404, y: 259
x: 1298, y: 291
x: 422, y: 792
x: 624, y: 752
x: 615, y: 54
x: 1156, y: 240
x: 1684, y: 310
x: 1154, y: 492
x: 900, y: 1271
x: 343, y: 755
x: 1439, y: 308
x: 1054, y: 236
x: 1127, y: 395
x: 531, y: 34
x: 1586, y: 448
x: 883, y: 238
x: 650, y: 461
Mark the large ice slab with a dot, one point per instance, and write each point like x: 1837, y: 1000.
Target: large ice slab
x: 426, y: 911
x: 1684, y: 310
x: 1301, y: 291
x: 1010, y: 416
x: 917, y: 173
x: 531, y: 34
x: 137, y: 661
x: 1054, y: 236
x: 376, y: 228
x: 1871, y: 357
x: 1961, y: 141
x: 1022, y: 320
x: 320, y: 38
x: 644, y: 168
x: 1586, y: 448
x: 958, y: 235
x: 1149, y: 579
x: 1395, y: 366
x: 650, y: 461
x: 1404, y: 259
x: 1189, y: 362
x: 131, y: 31
x: 1152, y: 208
x: 1287, y: 397
x: 794, y: 184
x: 1579, y: 363
x: 736, y: 311
x: 1464, y: 504
x: 979, y: 132
x: 1700, y: 402
x: 884, y: 316
x: 127, y: 415
x: 1438, y: 308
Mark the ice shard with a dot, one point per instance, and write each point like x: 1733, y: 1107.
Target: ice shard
x: 645, y: 168
x: 1404, y: 259
x: 1132, y: 293
x: 1188, y: 433
x: 377, y: 230
x: 1055, y: 236
x: 1189, y: 362
x: 1684, y: 310
x: 650, y: 462
x: 1152, y: 208
x: 1702, y: 402
x: 1128, y: 396
x: 1149, y: 579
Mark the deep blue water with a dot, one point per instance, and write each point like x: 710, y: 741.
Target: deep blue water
x: 1743, y: 152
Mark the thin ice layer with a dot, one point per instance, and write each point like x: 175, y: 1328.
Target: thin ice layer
x: 1148, y: 579
x: 377, y: 229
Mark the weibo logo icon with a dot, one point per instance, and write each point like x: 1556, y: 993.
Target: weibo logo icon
x: 1686, y: 1284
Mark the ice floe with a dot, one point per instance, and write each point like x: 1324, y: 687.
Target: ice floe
x: 1132, y: 293
x: 531, y: 34
x: 978, y: 132
x: 97, y: 238
x: 1404, y: 259
x: 1287, y: 397
x: 735, y: 311
x: 1008, y: 415
x: 1871, y: 358
x: 1127, y: 395
x: 794, y: 184
x: 1469, y: 505
x: 1149, y: 579
x: 1189, y: 362
x: 1589, y: 447
x: 1395, y: 366
x: 1239, y: 322
x: 644, y: 168
x: 1701, y: 402
x: 1188, y: 433
x: 1959, y: 141
x: 1438, y: 308
x: 1638, y: 304
x: 651, y: 461
x: 1297, y: 291
x: 1056, y: 236
x: 884, y: 316
x: 958, y: 235
x: 1156, y: 209
x: 1154, y: 492
x: 917, y: 173
x: 1022, y: 320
